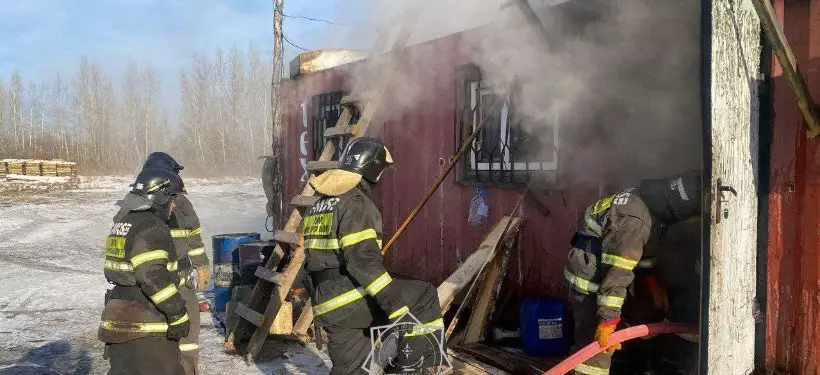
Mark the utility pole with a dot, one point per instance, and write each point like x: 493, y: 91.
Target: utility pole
x: 273, y: 166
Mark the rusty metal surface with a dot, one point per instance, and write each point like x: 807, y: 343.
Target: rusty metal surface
x: 793, y: 301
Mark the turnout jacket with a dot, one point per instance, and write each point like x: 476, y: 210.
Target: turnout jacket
x: 609, y: 245
x: 141, y: 262
x: 342, y: 241
x: 187, y: 232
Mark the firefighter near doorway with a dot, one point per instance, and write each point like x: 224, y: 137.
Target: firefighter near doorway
x: 350, y: 288
x: 610, y: 249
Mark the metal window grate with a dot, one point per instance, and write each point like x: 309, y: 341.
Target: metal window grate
x: 325, y: 112
x: 511, y: 148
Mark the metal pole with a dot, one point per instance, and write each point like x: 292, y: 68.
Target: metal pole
x: 464, y: 147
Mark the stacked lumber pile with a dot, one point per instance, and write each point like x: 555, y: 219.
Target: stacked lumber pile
x: 66, y: 168
x: 32, y: 168
x: 15, y: 166
x: 49, y: 168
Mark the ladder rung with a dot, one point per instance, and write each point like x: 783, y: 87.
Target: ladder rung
x: 321, y: 166
x: 304, y: 201
x: 339, y: 132
x: 289, y: 238
x: 269, y: 275
x: 352, y: 99
x: 248, y: 314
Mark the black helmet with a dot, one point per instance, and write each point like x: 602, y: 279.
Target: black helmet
x: 367, y: 157
x: 673, y: 199
x: 162, y: 160
x: 154, y: 187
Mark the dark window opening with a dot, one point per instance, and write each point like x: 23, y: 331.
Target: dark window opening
x: 326, y: 109
x: 512, y: 147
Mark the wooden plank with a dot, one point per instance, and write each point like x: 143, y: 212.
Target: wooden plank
x: 464, y: 363
x: 303, y: 201
x: 249, y: 315
x: 305, y: 320
x: 448, y: 290
x: 785, y: 57
x: 481, y: 307
x: 510, y: 362
x: 286, y: 237
x: 318, y: 166
x: 730, y: 251
x: 268, y: 275
x: 283, y: 324
x: 354, y: 99
x: 340, y: 132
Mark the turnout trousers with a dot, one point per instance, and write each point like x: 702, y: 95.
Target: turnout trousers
x: 189, y: 346
x: 636, y: 355
x: 349, y: 341
x: 145, y: 356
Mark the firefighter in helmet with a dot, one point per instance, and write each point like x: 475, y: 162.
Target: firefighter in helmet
x: 610, y: 249
x: 351, y: 289
x: 194, y: 267
x: 144, y: 316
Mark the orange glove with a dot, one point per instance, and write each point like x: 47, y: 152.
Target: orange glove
x: 602, y: 335
x: 660, y: 297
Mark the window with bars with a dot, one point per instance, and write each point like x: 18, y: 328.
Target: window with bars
x: 326, y: 109
x: 512, y: 147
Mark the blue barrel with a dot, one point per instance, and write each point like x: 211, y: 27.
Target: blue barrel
x: 543, y: 327
x: 222, y: 294
x: 225, y: 246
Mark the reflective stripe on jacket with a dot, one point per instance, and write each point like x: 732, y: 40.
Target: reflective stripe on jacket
x: 140, y: 261
x: 622, y: 224
x: 344, y: 233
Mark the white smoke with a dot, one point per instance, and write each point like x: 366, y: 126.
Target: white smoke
x: 622, y: 76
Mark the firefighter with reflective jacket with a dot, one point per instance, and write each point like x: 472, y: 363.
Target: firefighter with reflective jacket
x: 351, y: 289
x: 610, y: 247
x: 186, y: 232
x: 144, y: 316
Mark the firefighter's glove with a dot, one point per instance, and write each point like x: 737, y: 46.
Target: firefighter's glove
x: 660, y: 298
x: 203, y: 277
x: 602, y: 335
x: 178, y: 331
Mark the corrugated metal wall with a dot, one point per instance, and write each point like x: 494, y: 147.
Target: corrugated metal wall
x: 420, y: 135
x: 793, y: 325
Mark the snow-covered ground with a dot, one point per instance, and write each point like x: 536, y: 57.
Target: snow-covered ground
x: 52, y: 284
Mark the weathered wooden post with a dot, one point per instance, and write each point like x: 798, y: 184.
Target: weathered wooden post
x: 733, y: 52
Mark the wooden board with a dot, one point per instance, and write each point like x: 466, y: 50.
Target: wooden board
x: 283, y: 324
x: 459, y: 279
x: 305, y: 320
x: 483, y: 303
x: 465, y: 364
x: 507, y: 361
x: 785, y: 57
x: 732, y: 123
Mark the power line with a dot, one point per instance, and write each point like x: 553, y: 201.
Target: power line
x: 285, y: 37
x: 315, y: 20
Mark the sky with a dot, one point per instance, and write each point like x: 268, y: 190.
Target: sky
x: 43, y: 38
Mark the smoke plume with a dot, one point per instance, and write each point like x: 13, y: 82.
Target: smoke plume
x: 620, y: 79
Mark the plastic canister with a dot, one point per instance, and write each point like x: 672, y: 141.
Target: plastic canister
x: 543, y: 327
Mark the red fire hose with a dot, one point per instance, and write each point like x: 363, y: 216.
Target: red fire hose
x: 623, y: 335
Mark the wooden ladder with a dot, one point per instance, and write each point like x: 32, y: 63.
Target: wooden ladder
x: 273, y: 286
